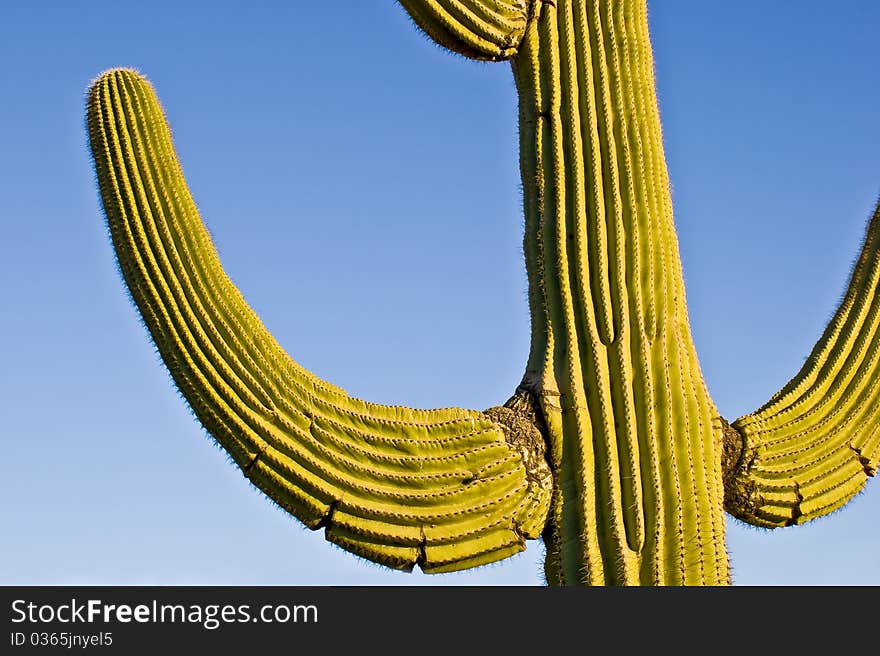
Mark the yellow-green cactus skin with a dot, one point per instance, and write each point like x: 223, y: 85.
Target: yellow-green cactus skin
x: 611, y: 448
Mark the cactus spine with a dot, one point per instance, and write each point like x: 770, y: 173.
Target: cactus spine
x: 611, y: 448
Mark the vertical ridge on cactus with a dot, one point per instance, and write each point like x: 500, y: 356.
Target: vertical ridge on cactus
x: 611, y: 448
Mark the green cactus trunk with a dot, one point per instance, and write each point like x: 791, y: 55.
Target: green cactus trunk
x: 634, y: 438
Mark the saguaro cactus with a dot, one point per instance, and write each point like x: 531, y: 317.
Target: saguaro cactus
x: 611, y: 448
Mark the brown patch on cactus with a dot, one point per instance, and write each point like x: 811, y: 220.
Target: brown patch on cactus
x: 734, y: 446
x: 869, y: 468
x: 741, y: 498
x: 523, y: 426
x: 796, y: 512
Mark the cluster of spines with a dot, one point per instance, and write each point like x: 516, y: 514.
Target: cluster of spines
x: 439, y: 488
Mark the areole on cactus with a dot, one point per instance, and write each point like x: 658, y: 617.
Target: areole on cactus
x: 610, y: 448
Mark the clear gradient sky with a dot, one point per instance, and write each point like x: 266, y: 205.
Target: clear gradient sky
x: 362, y: 188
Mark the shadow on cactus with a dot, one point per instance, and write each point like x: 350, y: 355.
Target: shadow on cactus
x: 610, y: 448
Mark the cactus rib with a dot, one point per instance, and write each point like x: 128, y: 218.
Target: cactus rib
x: 445, y: 488
x: 815, y: 443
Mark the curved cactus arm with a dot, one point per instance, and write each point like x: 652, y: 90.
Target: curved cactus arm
x: 813, y: 446
x: 445, y: 489
x: 479, y: 29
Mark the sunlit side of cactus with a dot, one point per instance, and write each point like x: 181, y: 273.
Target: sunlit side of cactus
x: 611, y: 447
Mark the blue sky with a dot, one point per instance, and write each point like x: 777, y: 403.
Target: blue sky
x: 358, y: 183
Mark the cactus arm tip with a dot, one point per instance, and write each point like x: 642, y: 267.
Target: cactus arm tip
x: 488, y: 30
x: 813, y: 446
x: 445, y: 489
